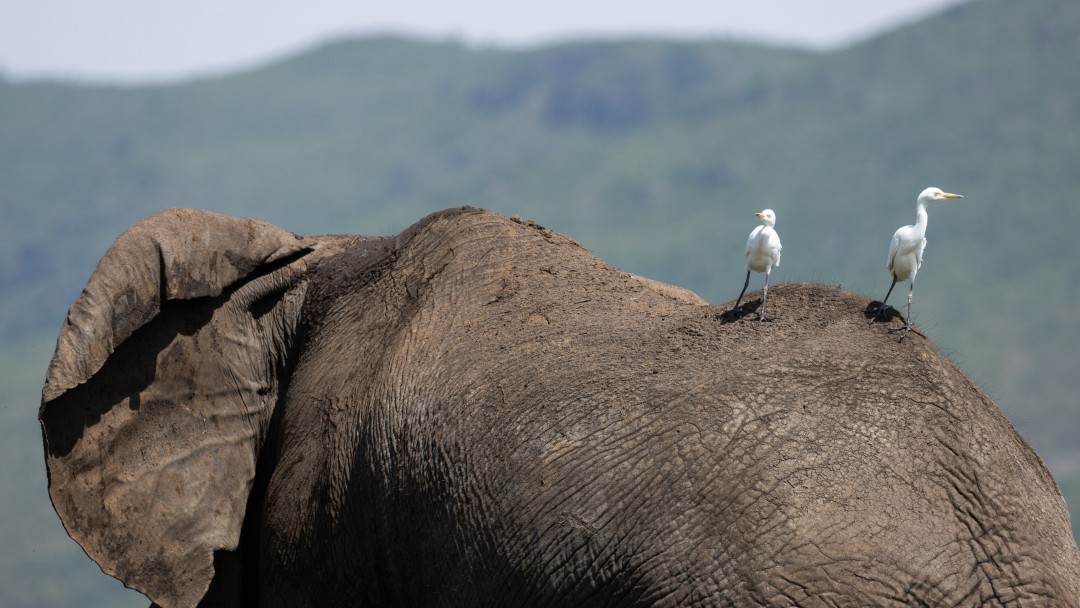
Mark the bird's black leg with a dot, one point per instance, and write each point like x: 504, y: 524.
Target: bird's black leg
x: 743, y: 292
x: 888, y: 293
x: 733, y: 314
x: 881, y: 306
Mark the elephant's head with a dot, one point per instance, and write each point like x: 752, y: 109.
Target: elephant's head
x: 480, y: 412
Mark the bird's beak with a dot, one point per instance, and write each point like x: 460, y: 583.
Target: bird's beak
x: 951, y: 195
x: 759, y: 216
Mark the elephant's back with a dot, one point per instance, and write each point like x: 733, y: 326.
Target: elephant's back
x: 820, y: 450
x: 590, y: 435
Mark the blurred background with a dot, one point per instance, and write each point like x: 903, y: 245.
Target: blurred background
x: 650, y: 135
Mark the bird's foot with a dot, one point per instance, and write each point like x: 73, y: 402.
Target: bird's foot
x: 904, y: 330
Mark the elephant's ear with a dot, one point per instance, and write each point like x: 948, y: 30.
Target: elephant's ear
x: 161, y: 389
x: 176, y: 254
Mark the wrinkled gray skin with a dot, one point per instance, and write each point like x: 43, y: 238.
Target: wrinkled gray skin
x: 478, y: 412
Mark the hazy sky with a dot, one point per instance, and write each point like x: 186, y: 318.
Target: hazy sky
x: 152, y: 39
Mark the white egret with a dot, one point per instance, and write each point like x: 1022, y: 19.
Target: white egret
x: 906, y: 250
x: 762, y: 254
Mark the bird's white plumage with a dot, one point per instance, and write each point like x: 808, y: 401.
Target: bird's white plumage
x: 905, y: 253
x: 907, y: 246
x: 909, y: 242
x: 763, y: 245
x: 762, y: 255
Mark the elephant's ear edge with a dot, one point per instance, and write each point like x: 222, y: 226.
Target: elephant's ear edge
x: 174, y: 254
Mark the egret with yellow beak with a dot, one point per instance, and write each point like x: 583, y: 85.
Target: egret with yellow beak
x: 906, y: 251
x: 762, y: 254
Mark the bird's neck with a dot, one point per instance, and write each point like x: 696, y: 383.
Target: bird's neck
x: 921, y: 218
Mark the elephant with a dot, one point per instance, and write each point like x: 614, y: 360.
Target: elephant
x: 480, y: 412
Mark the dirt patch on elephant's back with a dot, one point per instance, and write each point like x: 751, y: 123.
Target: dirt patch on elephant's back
x: 816, y: 339
x: 814, y: 317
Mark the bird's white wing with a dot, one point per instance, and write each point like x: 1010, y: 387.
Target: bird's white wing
x: 893, y: 246
x: 751, y: 241
x: 777, y: 247
x: 919, y: 252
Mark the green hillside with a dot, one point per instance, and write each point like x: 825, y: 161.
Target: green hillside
x: 653, y: 154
